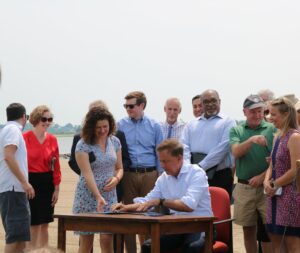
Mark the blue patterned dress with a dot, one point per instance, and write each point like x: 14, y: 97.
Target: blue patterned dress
x: 103, y: 168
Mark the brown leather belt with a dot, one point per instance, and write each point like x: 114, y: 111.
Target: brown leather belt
x: 141, y: 169
x: 243, y: 181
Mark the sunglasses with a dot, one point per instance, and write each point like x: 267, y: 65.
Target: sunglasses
x: 45, y: 119
x: 130, y: 106
x: 279, y: 101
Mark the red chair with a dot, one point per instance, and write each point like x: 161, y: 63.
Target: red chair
x: 221, y: 208
x: 220, y: 204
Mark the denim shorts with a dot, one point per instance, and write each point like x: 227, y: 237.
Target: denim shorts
x: 15, y: 214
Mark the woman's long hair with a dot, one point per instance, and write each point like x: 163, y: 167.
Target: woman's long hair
x: 88, y: 131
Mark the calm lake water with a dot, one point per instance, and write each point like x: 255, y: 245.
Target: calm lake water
x: 64, y: 144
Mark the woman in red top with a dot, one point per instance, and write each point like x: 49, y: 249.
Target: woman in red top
x: 44, y: 174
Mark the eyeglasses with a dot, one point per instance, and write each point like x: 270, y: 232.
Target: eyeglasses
x: 212, y: 101
x: 130, y: 106
x: 44, y: 119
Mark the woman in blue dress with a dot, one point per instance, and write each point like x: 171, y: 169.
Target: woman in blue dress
x: 98, y: 155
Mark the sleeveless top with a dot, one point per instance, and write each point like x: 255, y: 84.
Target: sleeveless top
x: 283, y: 210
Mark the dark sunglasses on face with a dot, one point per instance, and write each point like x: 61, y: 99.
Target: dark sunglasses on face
x: 44, y: 119
x: 130, y: 106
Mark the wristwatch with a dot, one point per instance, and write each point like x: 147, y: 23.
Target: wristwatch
x: 161, y: 202
x: 275, y: 186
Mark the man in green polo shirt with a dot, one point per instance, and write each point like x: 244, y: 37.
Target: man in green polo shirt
x: 251, y: 143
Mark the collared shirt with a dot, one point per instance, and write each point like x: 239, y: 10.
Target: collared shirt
x: 190, y: 186
x: 177, y: 129
x: 254, y: 161
x: 11, y: 134
x: 142, y: 138
x: 209, y: 136
x: 40, y: 156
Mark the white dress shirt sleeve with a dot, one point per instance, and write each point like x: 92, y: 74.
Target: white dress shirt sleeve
x: 196, y: 190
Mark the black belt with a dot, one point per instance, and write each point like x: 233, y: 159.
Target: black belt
x: 243, y: 181
x: 140, y: 169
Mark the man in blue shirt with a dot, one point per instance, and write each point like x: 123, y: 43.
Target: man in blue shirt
x: 182, y: 188
x: 172, y: 127
x: 142, y: 135
x: 208, y: 137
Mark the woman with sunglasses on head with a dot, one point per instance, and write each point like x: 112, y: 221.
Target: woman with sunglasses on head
x: 44, y: 174
x: 283, y: 216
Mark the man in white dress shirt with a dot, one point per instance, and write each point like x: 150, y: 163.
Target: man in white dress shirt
x: 208, y: 136
x: 172, y: 128
x: 183, y: 188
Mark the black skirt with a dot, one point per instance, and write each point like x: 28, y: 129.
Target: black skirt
x: 40, y: 205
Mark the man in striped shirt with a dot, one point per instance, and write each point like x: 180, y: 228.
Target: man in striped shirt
x: 172, y: 128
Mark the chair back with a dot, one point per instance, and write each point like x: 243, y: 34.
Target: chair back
x: 220, y: 204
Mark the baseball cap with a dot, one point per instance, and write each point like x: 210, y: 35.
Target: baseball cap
x: 253, y: 101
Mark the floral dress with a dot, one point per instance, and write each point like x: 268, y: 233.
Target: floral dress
x: 283, y: 215
x: 103, y: 168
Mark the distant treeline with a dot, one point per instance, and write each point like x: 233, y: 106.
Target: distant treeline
x: 57, y: 129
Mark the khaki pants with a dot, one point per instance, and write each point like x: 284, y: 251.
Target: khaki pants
x: 137, y: 184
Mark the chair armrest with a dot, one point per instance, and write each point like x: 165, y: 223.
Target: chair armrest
x: 223, y: 221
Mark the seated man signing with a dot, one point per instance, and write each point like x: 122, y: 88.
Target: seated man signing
x: 182, y: 188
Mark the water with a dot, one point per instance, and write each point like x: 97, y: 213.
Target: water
x: 64, y: 144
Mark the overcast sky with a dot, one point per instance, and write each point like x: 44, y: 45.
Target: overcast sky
x: 67, y: 53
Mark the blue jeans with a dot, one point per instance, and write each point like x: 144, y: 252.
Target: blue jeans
x: 188, y: 243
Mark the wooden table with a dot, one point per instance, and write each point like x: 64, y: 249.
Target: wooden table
x: 121, y: 224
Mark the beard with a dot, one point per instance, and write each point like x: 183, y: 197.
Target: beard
x: 211, y: 113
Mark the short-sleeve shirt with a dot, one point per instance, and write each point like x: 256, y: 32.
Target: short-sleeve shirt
x: 11, y: 134
x: 103, y: 168
x: 40, y: 155
x: 254, y: 161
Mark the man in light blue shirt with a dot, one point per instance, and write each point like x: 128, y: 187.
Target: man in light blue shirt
x: 172, y: 127
x: 183, y: 188
x: 142, y: 135
x: 209, y: 135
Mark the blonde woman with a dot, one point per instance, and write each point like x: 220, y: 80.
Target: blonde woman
x: 44, y: 174
x: 283, y: 216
